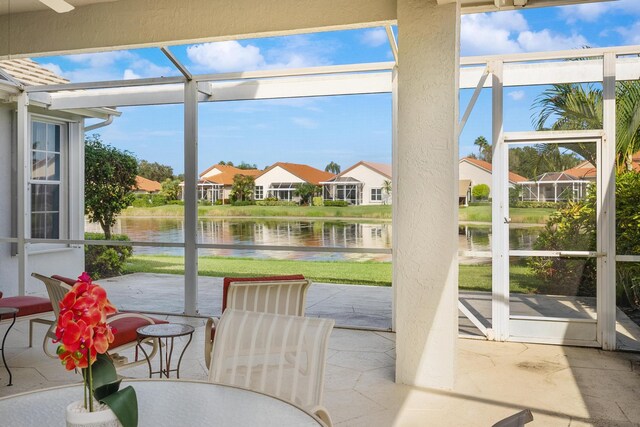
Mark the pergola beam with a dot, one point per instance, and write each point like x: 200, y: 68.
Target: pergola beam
x: 326, y: 85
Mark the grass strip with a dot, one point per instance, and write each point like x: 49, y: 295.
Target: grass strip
x: 472, y: 277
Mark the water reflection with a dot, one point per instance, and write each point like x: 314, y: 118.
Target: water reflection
x: 295, y: 232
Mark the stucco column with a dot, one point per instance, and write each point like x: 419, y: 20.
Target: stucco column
x: 426, y: 260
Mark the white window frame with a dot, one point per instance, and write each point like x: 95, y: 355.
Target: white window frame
x: 259, y: 192
x: 63, y: 182
x: 376, y: 199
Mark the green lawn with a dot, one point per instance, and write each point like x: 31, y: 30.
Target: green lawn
x: 470, y: 213
x: 472, y: 277
x: 369, y: 212
x: 518, y: 215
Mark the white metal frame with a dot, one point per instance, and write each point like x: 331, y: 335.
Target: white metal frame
x: 505, y: 70
x: 552, y: 330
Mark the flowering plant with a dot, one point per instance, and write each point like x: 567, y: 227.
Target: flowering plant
x: 84, y: 337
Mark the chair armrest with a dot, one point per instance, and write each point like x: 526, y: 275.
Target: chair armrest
x: 210, y: 326
x: 122, y: 315
x: 322, y: 413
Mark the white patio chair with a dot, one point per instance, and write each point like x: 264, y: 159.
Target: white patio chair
x: 275, y: 294
x: 283, y: 356
x: 125, y: 325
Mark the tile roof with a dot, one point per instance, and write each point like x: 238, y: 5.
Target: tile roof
x: 148, y: 185
x: 513, y: 177
x: 304, y: 172
x: 29, y: 72
x: 583, y: 170
x: 225, y: 177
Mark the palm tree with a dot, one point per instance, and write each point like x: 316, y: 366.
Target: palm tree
x: 484, y: 148
x: 579, y: 107
x: 386, y: 187
x: 332, y: 167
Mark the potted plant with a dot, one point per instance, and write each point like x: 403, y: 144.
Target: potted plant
x: 84, y: 337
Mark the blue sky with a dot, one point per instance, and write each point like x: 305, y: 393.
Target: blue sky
x: 343, y: 129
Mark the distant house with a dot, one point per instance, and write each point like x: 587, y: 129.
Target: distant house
x: 464, y: 192
x: 555, y: 187
x: 479, y: 172
x: 583, y: 171
x: 281, y: 180
x: 365, y: 183
x: 216, y: 182
x: 146, y: 186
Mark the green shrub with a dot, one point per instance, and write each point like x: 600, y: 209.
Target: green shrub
x: 573, y: 227
x: 276, y: 202
x: 534, y: 204
x: 244, y: 203
x: 317, y: 201
x: 149, y: 200
x: 480, y: 192
x: 221, y: 202
x: 336, y: 203
x: 105, y: 261
x: 175, y: 202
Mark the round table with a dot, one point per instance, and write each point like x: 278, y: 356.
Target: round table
x: 164, y: 403
x: 166, y: 331
x: 4, y: 311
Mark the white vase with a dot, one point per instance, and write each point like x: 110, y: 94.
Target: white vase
x: 102, y: 416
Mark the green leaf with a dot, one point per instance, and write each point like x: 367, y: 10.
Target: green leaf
x: 105, y: 390
x: 124, y: 404
x: 103, y: 371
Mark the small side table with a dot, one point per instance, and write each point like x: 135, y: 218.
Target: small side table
x: 168, y: 331
x: 7, y: 311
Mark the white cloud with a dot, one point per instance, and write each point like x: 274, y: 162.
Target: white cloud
x: 516, y: 95
x: 534, y: 41
x: 226, y: 56
x: 630, y: 34
x: 374, y: 37
x: 130, y: 75
x: 114, y: 65
x: 54, y: 68
x: 305, y: 122
x: 100, y: 59
x: 509, y: 32
x: 584, y: 12
x: 486, y: 33
x: 291, y: 52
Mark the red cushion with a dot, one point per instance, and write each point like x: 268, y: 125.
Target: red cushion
x: 126, y: 329
x: 228, y: 280
x: 27, y: 305
x: 66, y: 280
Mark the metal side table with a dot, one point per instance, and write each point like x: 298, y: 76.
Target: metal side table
x: 7, y: 311
x: 168, y: 331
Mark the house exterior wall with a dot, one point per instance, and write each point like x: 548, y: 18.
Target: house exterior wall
x: 475, y: 174
x: 370, y: 179
x: 50, y: 259
x: 277, y: 174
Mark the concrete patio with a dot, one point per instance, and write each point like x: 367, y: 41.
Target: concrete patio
x: 564, y: 386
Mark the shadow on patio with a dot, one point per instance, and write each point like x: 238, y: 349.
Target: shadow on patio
x: 562, y: 385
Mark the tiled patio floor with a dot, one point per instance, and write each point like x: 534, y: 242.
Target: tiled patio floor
x: 562, y: 385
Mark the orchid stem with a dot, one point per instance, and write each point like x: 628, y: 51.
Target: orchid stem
x: 90, y: 381
x: 84, y: 380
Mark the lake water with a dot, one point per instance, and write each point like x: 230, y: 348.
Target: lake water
x: 297, y: 232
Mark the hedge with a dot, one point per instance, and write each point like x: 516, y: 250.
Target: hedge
x: 105, y: 261
x: 337, y: 203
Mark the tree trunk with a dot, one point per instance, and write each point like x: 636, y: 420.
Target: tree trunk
x: 106, y: 229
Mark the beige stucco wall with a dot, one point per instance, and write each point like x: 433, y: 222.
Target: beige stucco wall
x: 370, y: 179
x: 475, y: 174
x: 137, y: 23
x: 426, y: 260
